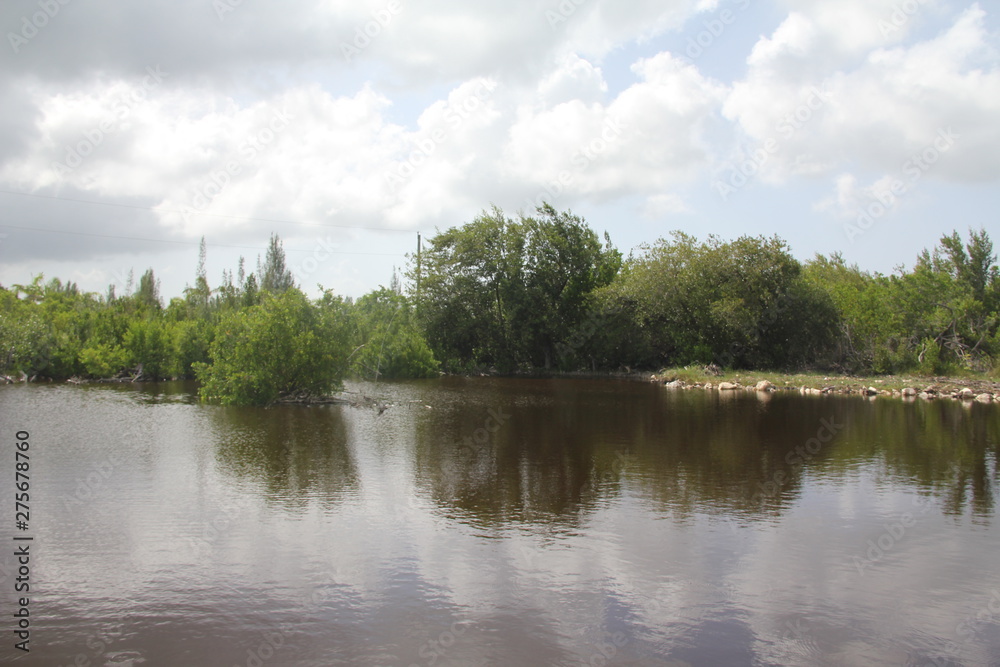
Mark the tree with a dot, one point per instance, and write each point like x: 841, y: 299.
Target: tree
x: 283, y: 347
x: 199, y: 295
x: 739, y: 304
x: 508, y: 292
x: 275, y: 277
x: 388, y: 343
x: 148, y: 293
x: 147, y: 344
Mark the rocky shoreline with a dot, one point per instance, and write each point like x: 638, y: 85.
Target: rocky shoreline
x: 980, y: 391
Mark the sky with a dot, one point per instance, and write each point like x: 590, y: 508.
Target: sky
x: 129, y: 131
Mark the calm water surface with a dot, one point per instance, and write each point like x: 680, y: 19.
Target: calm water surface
x: 504, y: 522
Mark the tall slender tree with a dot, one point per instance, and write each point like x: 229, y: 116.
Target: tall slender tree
x: 275, y: 276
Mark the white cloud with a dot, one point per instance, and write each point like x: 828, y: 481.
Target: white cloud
x: 569, y: 117
x: 661, y: 206
x: 875, y: 113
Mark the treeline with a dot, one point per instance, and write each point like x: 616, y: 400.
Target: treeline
x: 517, y: 295
x: 252, y: 340
x: 544, y: 291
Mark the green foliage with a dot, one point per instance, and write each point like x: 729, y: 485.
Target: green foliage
x: 510, y: 293
x: 740, y: 304
x: 533, y: 292
x: 190, y: 340
x: 275, y: 277
x: 282, y: 347
x: 147, y: 343
x: 22, y: 331
x: 940, y: 317
x: 101, y: 360
x: 389, y: 344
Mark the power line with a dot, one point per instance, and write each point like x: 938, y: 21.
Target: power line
x: 190, y: 243
x: 211, y: 215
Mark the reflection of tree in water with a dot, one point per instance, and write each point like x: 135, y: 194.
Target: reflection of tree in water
x: 945, y: 447
x: 566, y: 451
x: 293, y: 452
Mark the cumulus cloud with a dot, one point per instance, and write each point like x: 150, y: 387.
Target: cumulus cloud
x: 387, y: 114
x: 875, y: 113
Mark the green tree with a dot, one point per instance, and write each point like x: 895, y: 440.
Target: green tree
x: 388, y: 341
x: 148, y: 344
x: 741, y: 303
x: 275, y: 276
x: 282, y: 347
x: 510, y: 292
x: 148, y: 294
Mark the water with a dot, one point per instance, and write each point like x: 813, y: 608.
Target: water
x: 503, y: 522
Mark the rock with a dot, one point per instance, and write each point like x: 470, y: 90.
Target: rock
x: 727, y: 386
x: 765, y: 385
x: 810, y: 391
x: 709, y: 385
x: 984, y: 398
x: 869, y: 391
x: 927, y: 396
x: 967, y: 394
x: 676, y: 384
x: 909, y: 391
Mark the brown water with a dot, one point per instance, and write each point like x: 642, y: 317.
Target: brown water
x: 503, y: 522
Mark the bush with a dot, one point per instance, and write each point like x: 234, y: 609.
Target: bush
x: 281, y: 347
x: 103, y: 360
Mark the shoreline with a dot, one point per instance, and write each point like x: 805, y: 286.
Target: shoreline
x: 980, y: 390
x: 907, y: 387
